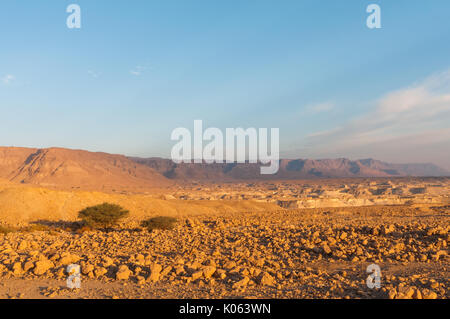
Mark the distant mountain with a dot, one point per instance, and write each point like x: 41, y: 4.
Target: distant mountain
x: 64, y: 168
x: 290, y: 169
x: 73, y: 169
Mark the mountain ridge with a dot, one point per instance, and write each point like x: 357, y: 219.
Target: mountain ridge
x: 292, y: 169
x: 79, y: 169
x: 66, y: 168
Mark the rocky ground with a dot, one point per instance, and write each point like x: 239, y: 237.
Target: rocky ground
x: 303, y: 253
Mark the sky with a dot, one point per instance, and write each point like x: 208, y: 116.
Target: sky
x: 136, y: 70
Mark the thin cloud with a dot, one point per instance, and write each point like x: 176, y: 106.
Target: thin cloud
x: 94, y: 74
x: 7, y: 79
x: 403, y: 117
x: 319, y: 108
x: 137, y: 71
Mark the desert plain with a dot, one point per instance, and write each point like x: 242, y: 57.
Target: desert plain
x: 234, y: 238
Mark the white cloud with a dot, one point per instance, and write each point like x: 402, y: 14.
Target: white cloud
x: 400, y: 120
x: 7, y: 79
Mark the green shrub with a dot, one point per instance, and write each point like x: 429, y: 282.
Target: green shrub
x: 161, y: 222
x: 102, y: 216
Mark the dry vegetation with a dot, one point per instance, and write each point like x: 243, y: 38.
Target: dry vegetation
x: 230, y: 240
x: 306, y: 253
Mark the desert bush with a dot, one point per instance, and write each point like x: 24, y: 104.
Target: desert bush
x: 102, y: 216
x: 84, y: 229
x: 35, y: 228
x: 26, y: 229
x: 161, y: 222
x: 7, y: 229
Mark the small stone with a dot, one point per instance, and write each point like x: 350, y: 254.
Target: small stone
x: 208, y: 271
x: 155, y: 272
x: 326, y: 249
x: 100, y: 271
x: 196, y: 275
x: 417, y: 294
x: 408, y: 292
x: 241, y: 283
x: 221, y: 274
x: 179, y: 270
x: 229, y: 265
x: 140, y: 280
x: 23, y: 245
x: 68, y: 259
x: 17, y: 269
x: 41, y: 266
x: 392, y: 294
x: 27, y: 266
x: 123, y: 273
x: 266, y: 279
x: 87, y: 269
x: 429, y: 295
x: 166, y: 271
x: 180, y: 261
x: 140, y: 259
x: 107, y: 262
x: 438, y: 255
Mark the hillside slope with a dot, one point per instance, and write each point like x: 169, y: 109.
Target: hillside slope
x: 21, y: 204
x: 64, y: 168
x: 77, y: 169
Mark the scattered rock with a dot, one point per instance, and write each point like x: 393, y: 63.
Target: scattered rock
x: 155, y: 271
x: 208, y: 271
x: 42, y: 266
x: 241, y: 283
x: 123, y: 273
x: 266, y: 279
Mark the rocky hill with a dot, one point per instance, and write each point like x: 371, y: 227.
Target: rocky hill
x: 78, y: 169
x: 290, y: 169
x: 64, y: 168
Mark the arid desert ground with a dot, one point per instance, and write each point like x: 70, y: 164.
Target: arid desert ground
x: 262, y: 239
x: 208, y: 154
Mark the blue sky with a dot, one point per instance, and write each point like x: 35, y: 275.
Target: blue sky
x: 138, y: 69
